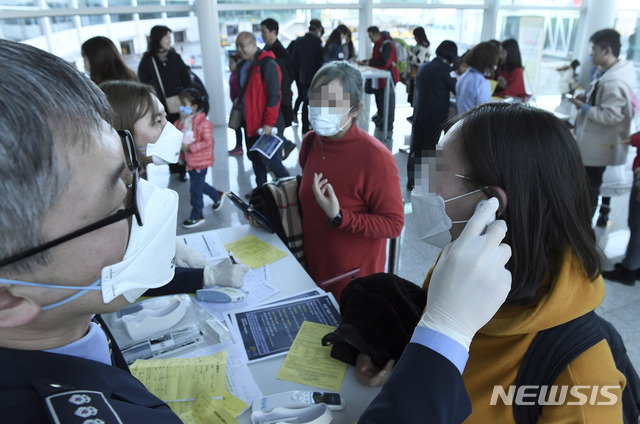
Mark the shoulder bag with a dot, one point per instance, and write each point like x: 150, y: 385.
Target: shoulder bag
x: 173, y: 102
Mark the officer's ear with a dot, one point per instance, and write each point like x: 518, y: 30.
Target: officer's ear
x: 15, y: 310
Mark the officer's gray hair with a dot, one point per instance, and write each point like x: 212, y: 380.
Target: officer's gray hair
x: 350, y: 76
x: 46, y: 107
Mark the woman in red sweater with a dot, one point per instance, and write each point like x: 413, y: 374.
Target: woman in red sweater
x: 511, y: 79
x: 350, y: 190
x: 197, y: 146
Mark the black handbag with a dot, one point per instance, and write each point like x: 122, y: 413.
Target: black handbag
x: 235, y: 116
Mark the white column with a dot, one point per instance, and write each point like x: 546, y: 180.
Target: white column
x: 490, y: 20
x: 209, y: 28
x: 598, y: 15
x: 366, y: 20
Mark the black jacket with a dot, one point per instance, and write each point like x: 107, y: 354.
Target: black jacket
x: 37, y: 385
x: 307, y: 55
x: 286, y: 67
x: 423, y: 388
x: 434, y: 82
x: 173, y: 71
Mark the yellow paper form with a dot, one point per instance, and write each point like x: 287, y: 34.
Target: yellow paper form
x: 494, y: 84
x: 179, y: 381
x: 254, y: 252
x: 310, y: 363
x: 209, y: 410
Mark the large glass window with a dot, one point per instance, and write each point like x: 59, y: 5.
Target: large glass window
x: 464, y: 26
x: 88, y: 20
x: 178, y: 2
x: 60, y: 23
x: 550, y: 3
x: 20, y: 29
x: 150, y: 3
x: 291, y: 2
x: 121, y: 17
x: 628, y: 25
x: 443, y: 3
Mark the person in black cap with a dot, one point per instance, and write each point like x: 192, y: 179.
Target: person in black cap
x: 307, y: 58
x: 434, y: 81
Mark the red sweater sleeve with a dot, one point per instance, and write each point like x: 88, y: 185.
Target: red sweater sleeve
x: 383, y: 197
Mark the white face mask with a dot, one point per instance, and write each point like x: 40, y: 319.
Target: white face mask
x: 149, y: 261
x: 431, y: 219
x: 326, y: 123
x: 166, y: 149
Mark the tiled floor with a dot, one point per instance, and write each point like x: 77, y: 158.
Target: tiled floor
x: 621, y: 304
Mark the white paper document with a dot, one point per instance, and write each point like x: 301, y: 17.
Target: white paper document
x: 208, y: 243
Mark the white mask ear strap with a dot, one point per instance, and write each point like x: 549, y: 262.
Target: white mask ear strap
x: 466, y: 194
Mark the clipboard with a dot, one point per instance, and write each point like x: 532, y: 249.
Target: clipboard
x: 249, y: 210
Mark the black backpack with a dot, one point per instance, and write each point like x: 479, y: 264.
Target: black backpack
x: 552, y: 351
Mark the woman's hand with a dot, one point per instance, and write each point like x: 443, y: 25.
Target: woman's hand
x: 370, y: 375
x: 325, y: 196
x: 502, y: 82
x: 252, y: 221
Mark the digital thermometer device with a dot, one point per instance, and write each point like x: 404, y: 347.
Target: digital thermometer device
x: 298, y: 399
x: 221, y: 295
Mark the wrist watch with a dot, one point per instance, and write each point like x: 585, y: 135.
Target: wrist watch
x: 336, y: 221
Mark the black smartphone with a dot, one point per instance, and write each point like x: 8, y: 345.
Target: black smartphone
x: 249, y: 210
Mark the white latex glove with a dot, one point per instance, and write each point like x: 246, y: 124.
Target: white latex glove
x: 470, y: 281
x: 225, y: 274
x: 188, y: 257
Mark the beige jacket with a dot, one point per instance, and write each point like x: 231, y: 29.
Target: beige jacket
x: 608, y: 121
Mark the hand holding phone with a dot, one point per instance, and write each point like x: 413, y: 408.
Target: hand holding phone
x: 250, y: 211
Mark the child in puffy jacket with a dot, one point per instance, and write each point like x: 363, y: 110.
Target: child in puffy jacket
x: 197, y: 145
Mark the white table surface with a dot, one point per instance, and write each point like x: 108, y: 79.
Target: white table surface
x: 288, y: 276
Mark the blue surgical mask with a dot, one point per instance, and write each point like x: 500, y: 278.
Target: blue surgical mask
x: 186, y: 110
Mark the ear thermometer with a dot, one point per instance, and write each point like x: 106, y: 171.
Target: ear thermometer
x: 491, y: 221
x: 298, y: 399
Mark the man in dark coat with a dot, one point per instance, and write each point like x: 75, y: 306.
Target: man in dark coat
x: 269, y: 28
x: 434, y: 81
x: 307, y: 55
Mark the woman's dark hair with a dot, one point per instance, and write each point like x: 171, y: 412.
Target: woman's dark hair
x: 157, y: 33
x: 195, y: 97
x: 334, y: 37
x: 352, y: 50
x: 483, y: 57
x: 105, y: 62
x: 421, y: 36
x: 514, y: 59
x: 345, y: 30
x: 533, y: 157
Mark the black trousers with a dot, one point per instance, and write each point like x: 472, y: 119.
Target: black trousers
x: 594, y: 174
x: 379, y: 94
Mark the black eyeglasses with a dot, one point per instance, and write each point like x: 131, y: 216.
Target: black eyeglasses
x: 132, y: 209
